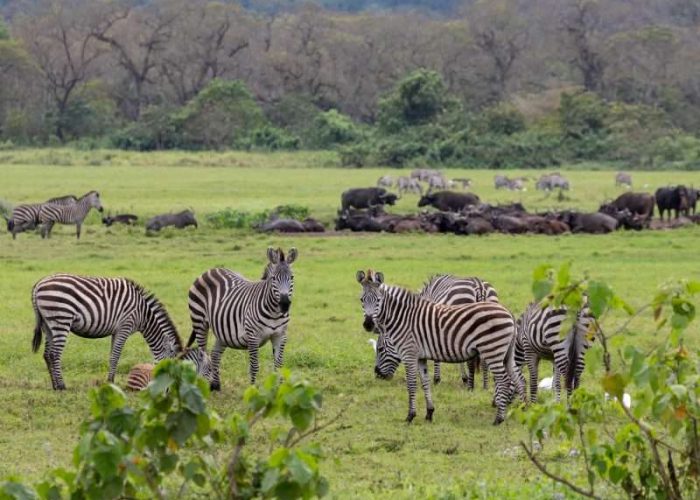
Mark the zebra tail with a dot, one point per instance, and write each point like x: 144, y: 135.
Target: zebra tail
x: 510, y: 367
x: 193, y: 337
x: 572, y: 355
x: 36, y: 341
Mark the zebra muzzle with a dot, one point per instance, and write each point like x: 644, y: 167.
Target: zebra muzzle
x: 285, y: 303
x: 368, y: 323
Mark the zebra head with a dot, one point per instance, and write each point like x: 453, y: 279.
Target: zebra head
x: 279, y: 274
x: 371, y: 297
x: 199, y: 358
x: 387, y: 358
x: 93, y: 200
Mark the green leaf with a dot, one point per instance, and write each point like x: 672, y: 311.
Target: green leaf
x: 160, y: 384
x: 617, y: 473
x: 270, y: 479
x: 301, y: 417
x: 192, y: 398
x: 599, y: 297
x: 614, y: 385
x: 564, y: 275
x: 17, y: 491
x: 299, y: 469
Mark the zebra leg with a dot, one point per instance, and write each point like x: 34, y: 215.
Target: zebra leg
x: 46, y: 230
x: 278, y: 342
x: 502, y: 392
x: 485, y: 374
x: 54, y: 344
x: 425, y: 381
x: 558, y: 373
x: 118, y: 341
x: 254, y: 366
x: 468, y: 375
x: 77, y: 230
x: 216, y: 352
x: 411, y: 369
x: 437, y: 377
x: 532, y: 366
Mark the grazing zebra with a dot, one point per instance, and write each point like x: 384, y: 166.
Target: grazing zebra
x: 243, y: 314
x: 141, y: 375
x: 74, y: 213
x: 451, y: 291
x: 539, y: 338
x: 422, y: 330
x: 95, y: 308
x: 25, y: 217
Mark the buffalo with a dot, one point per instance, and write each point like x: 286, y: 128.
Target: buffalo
x: 179, y: 220
x: 672, y: 198
x: 639, y: 204
x: 449, y: 201
x: 595, y: 223
x: 128, y: 219
x: 366, y: 198
x: 308, y: 225
x: 693, y: 199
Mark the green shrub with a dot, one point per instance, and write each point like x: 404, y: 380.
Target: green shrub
x: 331, y: 128
x: 582, y: 114
x: 230, y: 218
x: 503, y: 119
x: 356, y: 155
x: 268, y: 138
x: 397, y: 152
x: 295, y: 114
x: 157, y: 128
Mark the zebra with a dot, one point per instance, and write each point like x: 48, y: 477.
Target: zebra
x: 75, y: 213
x: 539, y: 338
x: 25, y: 217
x: 141, y: 375
x: 243, y: 314
x: 94, y: 307
x: 422, y: 330
x: 449, y: 290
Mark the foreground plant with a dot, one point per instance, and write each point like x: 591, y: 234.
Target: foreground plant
x: 642, y: 444
x: 169, y: 445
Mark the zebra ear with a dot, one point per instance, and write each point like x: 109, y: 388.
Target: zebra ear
x: 360, y: 276
x: 379, y: 277
x: 291, y: 255
x: 272, y: 255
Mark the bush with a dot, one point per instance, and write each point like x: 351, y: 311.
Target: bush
x: 356, y: 155
x: 331, y: 128
x: 295, y: 114
x: 398, y: 152
x: 503, y: 119
x: 157, y: 128
x: 231, y: 218
x: 582, y: 114
x: 270, y: 138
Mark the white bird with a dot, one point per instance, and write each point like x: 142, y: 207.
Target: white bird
x: 546, y: 383
x: 626, y: 399
x: 373, y: 343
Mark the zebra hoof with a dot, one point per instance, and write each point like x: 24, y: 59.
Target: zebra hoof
x: 215, y: 386
x: 429, y: 414
x: 498, y: 421
x: 493, y: 403
x: 410, y: 417
x: 436, y: 380
x: 60, y: 387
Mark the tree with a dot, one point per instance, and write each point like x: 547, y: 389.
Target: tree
x: 580, y: 24
x: 60, y: 42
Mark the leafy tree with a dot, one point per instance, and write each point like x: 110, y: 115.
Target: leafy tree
x: 168, y: 445
x: 651, y: 446
x: 332, y: 128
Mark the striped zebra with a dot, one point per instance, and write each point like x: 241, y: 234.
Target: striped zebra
x: 141, y: 375
x: 26, y: 217
x: 243, y: 314
x: 95, y: 308
x: 422, y: 330
x: 449, y: 290
x: 75, y: 213
x: 539, y: 337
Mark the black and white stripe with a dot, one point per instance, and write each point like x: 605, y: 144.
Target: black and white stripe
x: 95, y: 308
x: 449, y: 290
x: 75, y: 213
x: 422, y: 330
x: 539, y: 337
x: 141, y: 375
x: 243, y: 314
x: 26, y: 217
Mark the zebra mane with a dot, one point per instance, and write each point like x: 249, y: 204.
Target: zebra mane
x: 88, y: 194
x: 432, y: 279
x: 159, y: 309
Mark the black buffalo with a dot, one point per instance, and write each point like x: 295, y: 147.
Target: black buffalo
x: 595, y: 223
x: 308, y: 225
x: 449, y: 201
x: 179, y: 220
x: 128, y: 219
x: 366, y: 198
x: 639, y: 204
x: 693, y: 199
x: 672, y: 198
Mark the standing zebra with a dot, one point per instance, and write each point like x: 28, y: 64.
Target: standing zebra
x: 96, y: 308
x: 25, y: 217
x: 448, y: 290
x: 243, y: 314
x: 539, y: 338
x: 422, y: 330
x: 75, y: 213
x: 141, y: 375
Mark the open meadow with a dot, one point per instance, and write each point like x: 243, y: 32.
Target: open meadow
x: 370, y: 451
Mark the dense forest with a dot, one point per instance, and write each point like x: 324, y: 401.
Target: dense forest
x: 502, y: 82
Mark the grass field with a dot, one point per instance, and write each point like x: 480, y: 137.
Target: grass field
x: 370, y: 451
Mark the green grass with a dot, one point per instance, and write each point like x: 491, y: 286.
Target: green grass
x: 370, y: 451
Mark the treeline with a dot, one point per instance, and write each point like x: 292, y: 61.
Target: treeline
x: 499, y: 83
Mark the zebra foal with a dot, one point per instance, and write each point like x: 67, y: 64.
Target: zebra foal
x: 448, y: 290
x: 243, y: 314
x: 75, y: 213
x: 539, y: 337
x: 95, y: 308
x: 25, y: 217
x: 141, y: 375
x: 422, y: 330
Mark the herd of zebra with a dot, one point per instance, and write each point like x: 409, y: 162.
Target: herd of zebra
x: 62, y: 210
x: 452, y: 320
